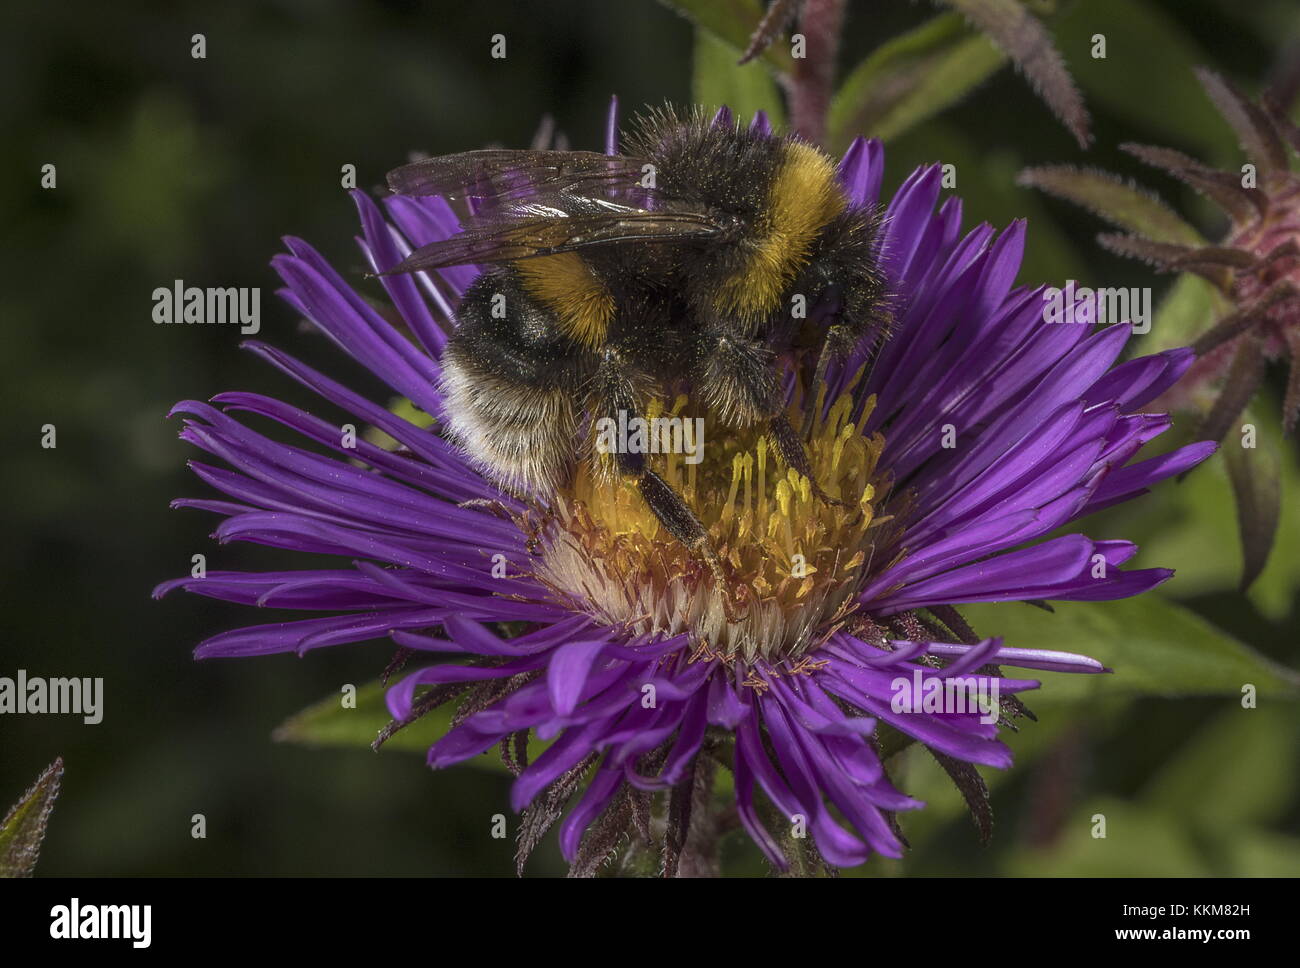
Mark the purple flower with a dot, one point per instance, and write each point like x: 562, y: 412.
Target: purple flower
x: 977, y: 431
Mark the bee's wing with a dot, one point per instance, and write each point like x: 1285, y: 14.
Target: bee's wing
x: 495, y: 175
x: 535, y: 230
x: 537, y: 203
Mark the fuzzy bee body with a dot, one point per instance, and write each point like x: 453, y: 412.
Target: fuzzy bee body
x: 522, y: 370
x: 619, y: 279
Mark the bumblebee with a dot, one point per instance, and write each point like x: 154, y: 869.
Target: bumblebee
x: 614, y: 280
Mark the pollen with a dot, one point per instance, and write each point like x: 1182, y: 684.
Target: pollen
x: 793, y: 559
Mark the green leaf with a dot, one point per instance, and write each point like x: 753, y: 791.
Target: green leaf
x: 718, y: 81
x: 1257, y: 853
x: 1223, y: 188
x: 1189, y: 309
x: 330, y: 723
x: 1155, y: 647
x: 733, y: 21
x: 911, y: 78
x: 1254, y: 474
x: 1274, y: 591
x: 398, y: 407
x: 1192, y: 529
x: 24, y: 826
x: 917, y: 772
x: 1245, y: 747
x: 1027, y: 42
x: 1168, y: 103
x: 1118, y: 201
x: 1139, y: 842
x: 1256, y: 134
x: 1185, y: 824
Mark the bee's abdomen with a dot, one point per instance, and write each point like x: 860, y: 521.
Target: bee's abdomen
x: 508, y: 383
x: 567, y: 286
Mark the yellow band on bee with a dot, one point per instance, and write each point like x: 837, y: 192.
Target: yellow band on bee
x: 566, y: 285
x: 804, y: 197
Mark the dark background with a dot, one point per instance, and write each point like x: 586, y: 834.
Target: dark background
x: 175, y: 168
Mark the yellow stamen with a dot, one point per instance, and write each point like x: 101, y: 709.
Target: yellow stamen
x: 801, y: 558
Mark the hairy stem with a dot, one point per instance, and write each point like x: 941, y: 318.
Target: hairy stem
x: 811, y: 83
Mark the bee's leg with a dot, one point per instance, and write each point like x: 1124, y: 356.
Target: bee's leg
x: 844, y: 269
x: 737, y: 379
x: 812, y: 389
x: 838, y: 338
x: 614, y: 392
x: 667, y: 505
x: 735, y: 375
x: 792, y: 450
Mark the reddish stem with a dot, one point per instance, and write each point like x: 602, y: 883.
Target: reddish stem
x: 810, y: 84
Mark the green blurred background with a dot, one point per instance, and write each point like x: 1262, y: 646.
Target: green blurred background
x: 175, y: 168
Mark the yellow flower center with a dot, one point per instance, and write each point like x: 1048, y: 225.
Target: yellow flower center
x: 797, y: 559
